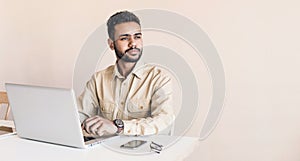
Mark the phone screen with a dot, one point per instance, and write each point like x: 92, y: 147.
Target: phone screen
x: 133, y: 144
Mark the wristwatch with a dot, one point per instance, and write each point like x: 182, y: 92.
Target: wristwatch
x: 120, y: 125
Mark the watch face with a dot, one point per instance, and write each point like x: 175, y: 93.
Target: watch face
x: 119, y: 123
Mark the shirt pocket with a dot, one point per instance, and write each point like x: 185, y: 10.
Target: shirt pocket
x: 106, y: 109
x: 139, y: 108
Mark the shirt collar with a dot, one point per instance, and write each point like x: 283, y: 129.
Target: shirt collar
x: 137, y: 70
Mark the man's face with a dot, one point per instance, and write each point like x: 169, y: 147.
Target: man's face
x: 128, y: 43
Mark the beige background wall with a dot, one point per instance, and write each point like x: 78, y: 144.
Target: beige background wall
x: 258, y: 42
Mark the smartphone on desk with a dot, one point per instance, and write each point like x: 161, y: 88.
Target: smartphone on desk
x: 133, y: 144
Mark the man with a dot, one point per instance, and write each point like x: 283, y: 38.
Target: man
x: 129, y: 98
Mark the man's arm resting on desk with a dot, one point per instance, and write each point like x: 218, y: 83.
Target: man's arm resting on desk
x: 97, y: 125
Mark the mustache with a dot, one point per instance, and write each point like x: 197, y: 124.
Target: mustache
x: 132, y: 49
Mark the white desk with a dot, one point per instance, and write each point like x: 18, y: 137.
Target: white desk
x: 13, y: 148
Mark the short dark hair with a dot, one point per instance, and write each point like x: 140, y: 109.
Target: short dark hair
x: 118, y: 18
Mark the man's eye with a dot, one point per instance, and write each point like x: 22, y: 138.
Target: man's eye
x: 138, y: 37
x: 123, y: 38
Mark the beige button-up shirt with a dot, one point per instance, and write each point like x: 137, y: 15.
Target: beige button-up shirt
x: 143, y: 100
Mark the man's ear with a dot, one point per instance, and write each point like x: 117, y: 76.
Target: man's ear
x: 110, y: 44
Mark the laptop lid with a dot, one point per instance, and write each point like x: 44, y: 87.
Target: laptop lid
x: 46, y: 114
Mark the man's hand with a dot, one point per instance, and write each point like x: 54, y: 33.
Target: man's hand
x: 97, y: 125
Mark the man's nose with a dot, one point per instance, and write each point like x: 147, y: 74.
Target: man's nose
x: 132, y: 42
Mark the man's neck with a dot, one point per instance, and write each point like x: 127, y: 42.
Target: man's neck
x: 125, y: 68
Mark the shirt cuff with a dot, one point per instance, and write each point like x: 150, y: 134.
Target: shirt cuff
x: 82, y: 117
x: 130, y: 127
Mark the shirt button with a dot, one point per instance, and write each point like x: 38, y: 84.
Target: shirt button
x: 122, y: 103
x: 141, y: 107
x: 128, y: 131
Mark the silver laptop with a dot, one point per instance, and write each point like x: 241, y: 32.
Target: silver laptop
x: 48, y: 115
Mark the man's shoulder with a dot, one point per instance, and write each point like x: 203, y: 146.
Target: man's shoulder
x: 107, y: 71
x: 156, y: 69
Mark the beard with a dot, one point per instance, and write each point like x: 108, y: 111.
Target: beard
x: 125, y: 57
